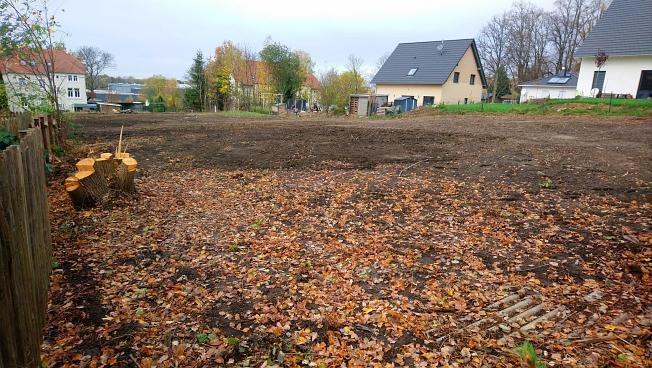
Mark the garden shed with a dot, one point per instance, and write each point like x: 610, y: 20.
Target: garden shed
x: 359, y: 103
x: 405, y: 104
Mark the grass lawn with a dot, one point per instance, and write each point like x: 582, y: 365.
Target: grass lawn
x: 579, y: 106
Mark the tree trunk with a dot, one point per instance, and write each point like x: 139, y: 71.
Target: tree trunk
x: 86, y: 188
x: 125, y: 175
x: 91, y: 183
x: 106, y: 166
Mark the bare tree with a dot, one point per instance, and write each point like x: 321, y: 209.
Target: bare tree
x: 354, y: 65
x: 96, y: 61
x: 522, y: 23
x: 29, y: 27
x: 250, y: 75
x: 492, y: 45
x: 529, y: 42
x: 381, y: 60
x: 541, y: 65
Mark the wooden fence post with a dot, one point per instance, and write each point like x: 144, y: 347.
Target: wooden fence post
x: 25, y: 251
x: 51, y: 135
x: 45, y: 135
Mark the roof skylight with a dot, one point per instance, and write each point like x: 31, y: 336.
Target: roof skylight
x: 558, y: 80
x: 412, y: 72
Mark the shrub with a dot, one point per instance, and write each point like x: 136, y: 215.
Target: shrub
x: 6, y: 139
x: 260, y: 110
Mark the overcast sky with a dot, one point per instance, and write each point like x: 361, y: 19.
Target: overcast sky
x: 161, y: 36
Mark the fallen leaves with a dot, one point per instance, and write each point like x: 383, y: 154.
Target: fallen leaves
x: 338, y: 268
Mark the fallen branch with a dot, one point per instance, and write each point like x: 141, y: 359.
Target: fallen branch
x: 591, y: 340
x: 413, y: 165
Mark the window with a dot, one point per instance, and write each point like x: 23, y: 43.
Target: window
x: 598, y: 80
x: 456, y: 77
x: 428, y: 100
x: 22, y: 81
x: 70, y: 78
x: 77, y: 94
x: 74, y: 78
x: 558, y: 80
x: 70, y: 92
x: 412, y: 72
x: 472, y: 81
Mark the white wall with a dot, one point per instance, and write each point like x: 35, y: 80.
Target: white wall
x: 416, y: 90
x: 623, y: 74
x: 534, y: 92
x: 64, y: 83
x: 32, y: 88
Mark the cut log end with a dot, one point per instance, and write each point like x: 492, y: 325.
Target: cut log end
x: 86, y: 164
x: 130, y: 163
x: 89, y: 185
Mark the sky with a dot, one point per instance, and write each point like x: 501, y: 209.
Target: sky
x: 149, y: 37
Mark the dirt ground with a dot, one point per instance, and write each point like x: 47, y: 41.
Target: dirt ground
x: 326, y: 242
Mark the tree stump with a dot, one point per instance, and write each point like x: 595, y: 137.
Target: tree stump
x: 94, y: 177
x: 125, y: 175
x: 86, y: 188
x: 106, y: 166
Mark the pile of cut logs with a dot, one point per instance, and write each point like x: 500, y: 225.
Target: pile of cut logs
x: 95, y: 178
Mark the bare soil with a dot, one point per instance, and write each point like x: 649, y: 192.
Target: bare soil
x: 609, y: 155
x: 346, y: 242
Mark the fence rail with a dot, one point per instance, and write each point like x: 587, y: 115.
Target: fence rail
x: 51, y: 130
x: 25, y: 250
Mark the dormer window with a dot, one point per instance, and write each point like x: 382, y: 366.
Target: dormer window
x: 412, y: 72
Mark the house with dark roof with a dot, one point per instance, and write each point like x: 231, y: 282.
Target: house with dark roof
x: 560, y: 86
x: 24, y: 76
x: 447, y: 71
x: 623, y: 37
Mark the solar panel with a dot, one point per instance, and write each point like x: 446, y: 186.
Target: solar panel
x: 412, y: 71
x: 558, y: 80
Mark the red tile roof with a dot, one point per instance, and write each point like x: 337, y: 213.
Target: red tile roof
x: 63, y: 63
x: 312, y: 82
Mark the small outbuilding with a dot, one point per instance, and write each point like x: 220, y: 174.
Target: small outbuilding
x: 405, y: 104
x: 364, y: 104
x: 108, y: 107
x: 559, y: 86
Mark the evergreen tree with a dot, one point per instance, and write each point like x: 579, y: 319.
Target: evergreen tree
x: 503, y: 86
x: 195, y: 95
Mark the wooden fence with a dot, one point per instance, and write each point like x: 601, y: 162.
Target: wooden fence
x: 18, y: 124
x: 25, y: 250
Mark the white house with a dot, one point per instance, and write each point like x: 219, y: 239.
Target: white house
x: 23, y: 80
x: 559, y: 86
x: 624, y: 36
